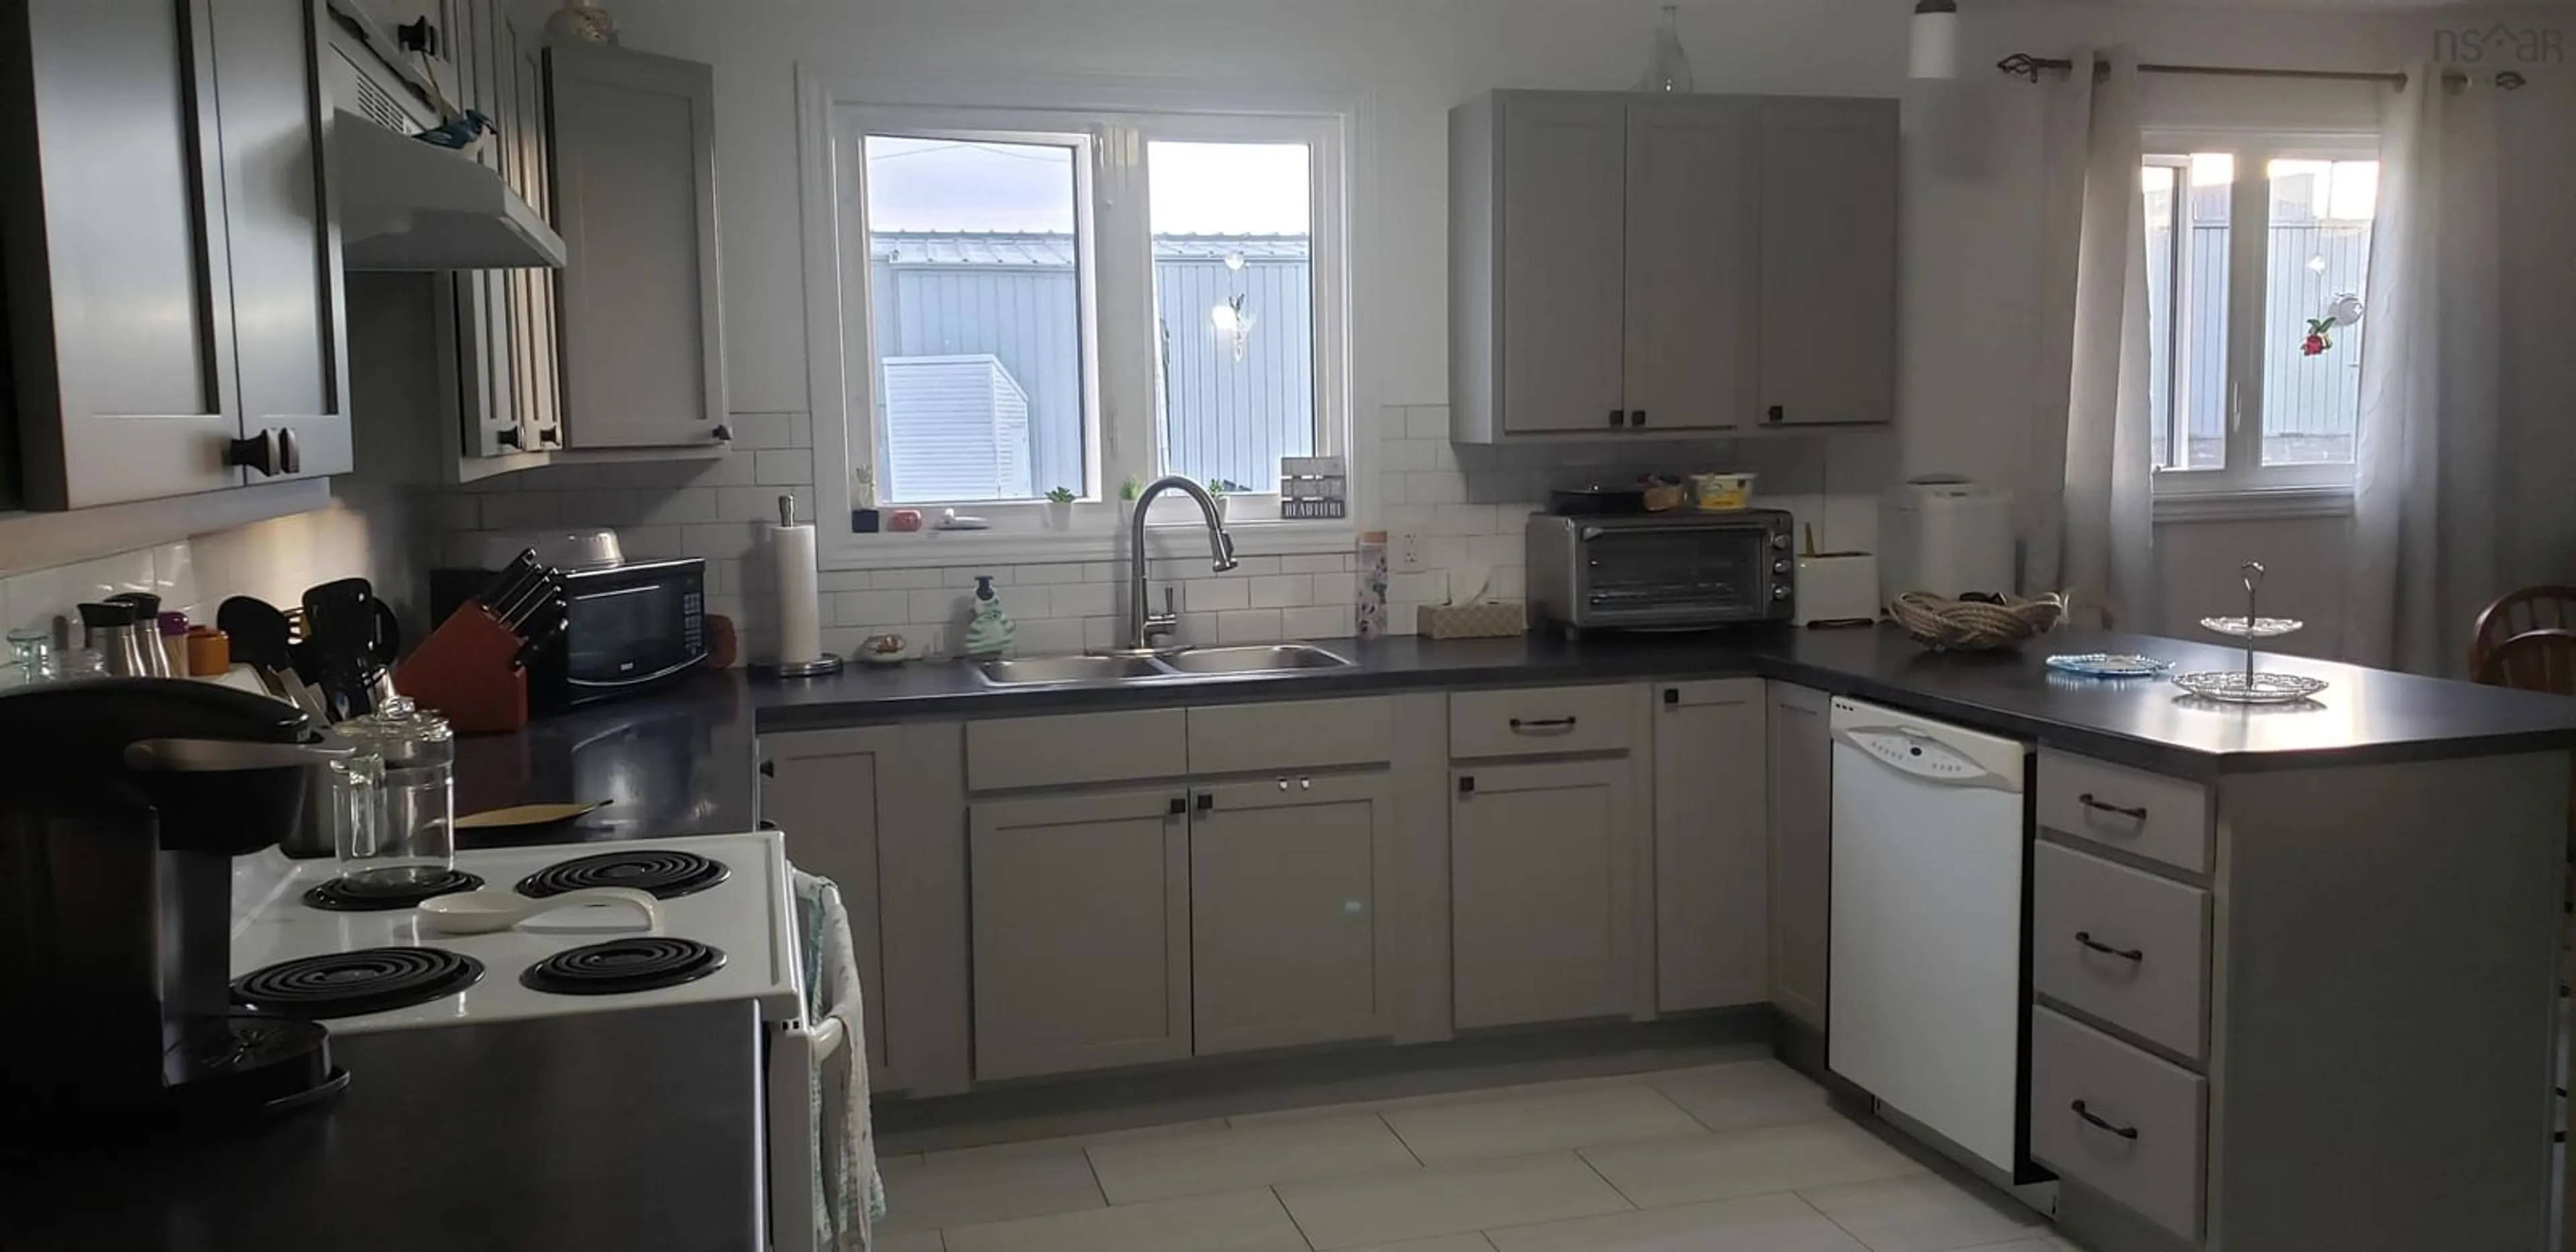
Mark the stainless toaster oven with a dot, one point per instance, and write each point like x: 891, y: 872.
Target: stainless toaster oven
x: 1660, y: 571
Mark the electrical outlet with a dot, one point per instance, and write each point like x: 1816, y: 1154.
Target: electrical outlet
x: 1404, y: 553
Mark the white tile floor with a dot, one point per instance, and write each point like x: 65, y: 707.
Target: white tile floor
x: 1741, y: 1157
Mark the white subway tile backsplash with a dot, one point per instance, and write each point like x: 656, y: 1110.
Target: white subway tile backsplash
x: 1325, y: 563
x: 907, y: 579
x: 1322, y: 621
x: 733, y: 469
x: 1207, y: 595
x: 1078, y: 599
x: 1463, y: 519
x: 1099, y: 633
x: 652, y: 543
x: 1049, y: 636
x: 681, y: 506
x: 1248, y: 626
x: 1501, y: 549
x: 713, y: 540
x: 785, y: 467
x: 864, y: 608
x: 1397, y: 456
x: 831, y: 580
x: 1427, y: 421
x: 1435, y: 488
x: 754, y: 431
x: 1280, y: 591
x: 1431, y: 587
x: 940, y: 605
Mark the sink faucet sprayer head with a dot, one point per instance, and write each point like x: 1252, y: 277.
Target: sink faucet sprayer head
x: 1225, y: 552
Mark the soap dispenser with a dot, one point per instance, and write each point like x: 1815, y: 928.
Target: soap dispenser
x: 990, y: 632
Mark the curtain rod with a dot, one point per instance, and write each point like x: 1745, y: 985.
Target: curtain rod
x: 2031, y: 67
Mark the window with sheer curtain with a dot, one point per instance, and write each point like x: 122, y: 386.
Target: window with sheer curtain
x: 2258, y: 277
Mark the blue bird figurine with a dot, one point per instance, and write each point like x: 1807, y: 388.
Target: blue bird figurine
x: 461, y: 133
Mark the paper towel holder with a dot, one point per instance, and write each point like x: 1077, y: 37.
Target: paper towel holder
x: 783, y: 669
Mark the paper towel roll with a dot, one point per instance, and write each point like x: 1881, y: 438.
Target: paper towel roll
x: 800, y: 615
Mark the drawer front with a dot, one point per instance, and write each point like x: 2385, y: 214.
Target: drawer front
x: 2123, y: 945
x: 1076, y: 748
x: 2143, y: 1143
x: 2149, y: 815
x: 1541, y: 720
x: 1292, y: 735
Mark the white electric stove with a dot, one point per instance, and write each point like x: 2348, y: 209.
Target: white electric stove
x: 675, y: 1062
x: 726, y: 893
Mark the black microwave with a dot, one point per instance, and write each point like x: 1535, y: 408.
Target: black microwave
x: 628, y: 629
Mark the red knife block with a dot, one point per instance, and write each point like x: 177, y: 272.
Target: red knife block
x: 468, y: 671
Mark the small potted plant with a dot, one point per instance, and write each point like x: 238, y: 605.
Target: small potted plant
x: 1127, y: 493
x: 1219, y: 489
x: 1059, y: 509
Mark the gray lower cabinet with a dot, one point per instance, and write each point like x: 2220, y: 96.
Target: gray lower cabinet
x: 1538, y: 868
x: 1288, y: 942
x: 1800, y: 764
x: 1081, y: 931
x: 1712, y: 858
x: 881, y: 812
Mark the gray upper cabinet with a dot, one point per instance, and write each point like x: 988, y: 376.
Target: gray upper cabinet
x: 1692, y: 243
x: 1712, y: 938
x: 1288, y: 942
x: 1081, y: 931
x: 1626, y: 265
x: 1800, y: 762
x: 173, y: 265
x: 1538, y: 896
x: 1828, y: 306
x: 284, y: 229
x: 119, y: 278
x: 634, y: 191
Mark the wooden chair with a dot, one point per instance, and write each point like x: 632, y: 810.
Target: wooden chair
x: 2520, y: 612
x: 2532, y: 660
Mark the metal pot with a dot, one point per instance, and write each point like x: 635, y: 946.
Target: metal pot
x: 1593, y: 499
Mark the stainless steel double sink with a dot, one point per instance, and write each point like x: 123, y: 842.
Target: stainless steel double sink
x: 1111, y: 671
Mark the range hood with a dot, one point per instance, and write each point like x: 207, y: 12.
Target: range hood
x: 410, y: 205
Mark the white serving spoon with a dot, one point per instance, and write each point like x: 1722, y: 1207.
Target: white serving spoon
x: 497, y: 908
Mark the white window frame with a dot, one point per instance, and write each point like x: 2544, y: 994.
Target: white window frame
x: 2244, y: 486
x: 1114, y: 123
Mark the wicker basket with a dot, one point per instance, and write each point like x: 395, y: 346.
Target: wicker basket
x: 1972, y: 625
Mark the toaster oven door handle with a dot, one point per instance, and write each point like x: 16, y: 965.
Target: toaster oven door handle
x: 639, y: 679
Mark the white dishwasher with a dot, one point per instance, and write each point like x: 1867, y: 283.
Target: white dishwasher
x: 1926, y: 993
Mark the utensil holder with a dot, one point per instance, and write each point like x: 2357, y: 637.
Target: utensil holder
x: 468, y: 671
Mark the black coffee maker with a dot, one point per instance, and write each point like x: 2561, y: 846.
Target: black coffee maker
x: 123, y: 802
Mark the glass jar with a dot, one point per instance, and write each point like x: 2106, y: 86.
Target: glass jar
x: 397, y: 797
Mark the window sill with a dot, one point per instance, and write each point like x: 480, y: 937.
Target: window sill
x: 2252, y: 506
x: 931, y: 548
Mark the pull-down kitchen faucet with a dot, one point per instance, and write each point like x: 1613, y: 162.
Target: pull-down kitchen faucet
x: 1145, y: 627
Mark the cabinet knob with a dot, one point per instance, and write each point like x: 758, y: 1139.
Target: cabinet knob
x: 1672, y: 695
x: 1778, y: 413
x: 721, y: 434
x: 1467, y: 786
x: 549, y: 434
x: 1618, y: 417
x: 1283, y: 784
x: 510, y: 438
x: 1636, y: 417
x: 1305, y: 784
x: 271, y: 452
x: 769, y: 769
x: 1179, y: 806
x: 418, y: 36
x: 1207, y: 802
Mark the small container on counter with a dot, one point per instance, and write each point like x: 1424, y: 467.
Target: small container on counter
x: 1721, y: 493
x: 1371, y: 620
x: 173, y: 641
x: 398, y: 796
x: 210, y: 652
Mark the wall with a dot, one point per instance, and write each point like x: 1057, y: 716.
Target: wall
x: 1970, y: 285
x: 366, y: 532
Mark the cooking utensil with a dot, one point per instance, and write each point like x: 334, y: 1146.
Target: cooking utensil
x: 528, y: 815
x: 258, y: 631
x: 498, y: 908
x: 1593, y: 499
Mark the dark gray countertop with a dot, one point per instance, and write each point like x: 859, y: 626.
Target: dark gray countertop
x: 676, y: 763
x: 681, y: 763
x: 2363, y: 716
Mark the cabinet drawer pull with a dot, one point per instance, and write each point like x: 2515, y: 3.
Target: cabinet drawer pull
x: 1541, y: 724
x: 2094, y: 1120
x: 1467, y: 786
x: 2139, y: 813
x: 1207, y: 801
x: 2086, y: 938
x: 1179, y: 807
x: 1618, y: 417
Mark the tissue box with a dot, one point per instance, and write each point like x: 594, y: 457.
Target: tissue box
x: 1497, y: 619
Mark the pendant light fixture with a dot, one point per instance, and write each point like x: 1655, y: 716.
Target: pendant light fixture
x: 1936, y: 39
